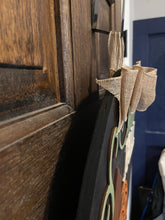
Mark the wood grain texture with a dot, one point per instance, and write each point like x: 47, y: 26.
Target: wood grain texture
x: 28, y: 37
x: 94, y: 69
x: 118, y: 18
x: 102, y: 55
x: 49, y: 45
x: 20, y: 40
x: 115, y: 16
x: 82, y: 48
x: 103, y: 21
x: 64, y: 50
x: 100, y: 62
x: 27, y: 167
x: 14, y: 129
x: 112, y: 17
x: 22, y: 91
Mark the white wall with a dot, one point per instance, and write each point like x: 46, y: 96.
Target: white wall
x: 128, y: 27
x: 144, y: 9
x: 138, y: 10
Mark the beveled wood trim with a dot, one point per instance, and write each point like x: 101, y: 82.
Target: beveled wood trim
x: 64, y: 50
x: 118, y: 18
x: 112, y: 17
x: 27, y: 170
x: 115, y: 15
x: 82, y: 49
x: 19, y: 127
x: 67, y: 51
x: 54, y: 76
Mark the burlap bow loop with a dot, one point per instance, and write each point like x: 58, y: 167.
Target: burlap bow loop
x: 134, y: 89
x: 113, y: 85
x: 148, y: 92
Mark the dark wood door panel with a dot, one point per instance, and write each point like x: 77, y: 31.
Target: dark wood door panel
x: 102, y: 55
x: 82, y: 48
x: 103, y: 16
x: 22, y: 91
x: 28, y: 38
x: 20, y: 38
x: 28, y: 60
x: 28, y: 165
x: 48, y: 48
x: 64, y: 50
x: 101, y: 10
x: 14, y: 129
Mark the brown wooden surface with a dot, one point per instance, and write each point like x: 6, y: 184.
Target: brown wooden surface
x: 118, y: 15
x: 49, y: 45
x: 28, y: 37
x: 100, y: 42
x: 28, y: 163
x: 112, y: 17
x: 54, y: 40
x: 115, y: 16
x: 103, y: 21
x: 82, y: 55
x: 102, y: 55
x: 23, y: 91
x: 14, y: 129
x: 82, y: 49
x: 64, y: 49
x: 94, y: 64
x: 20, y: 39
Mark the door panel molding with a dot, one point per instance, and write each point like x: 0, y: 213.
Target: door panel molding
x: 11, y: 131
x: 28, y: 163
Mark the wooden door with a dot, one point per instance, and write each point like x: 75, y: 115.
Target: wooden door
x: 34, y: 122
x: 49, y: 60
x: 37, y: 97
